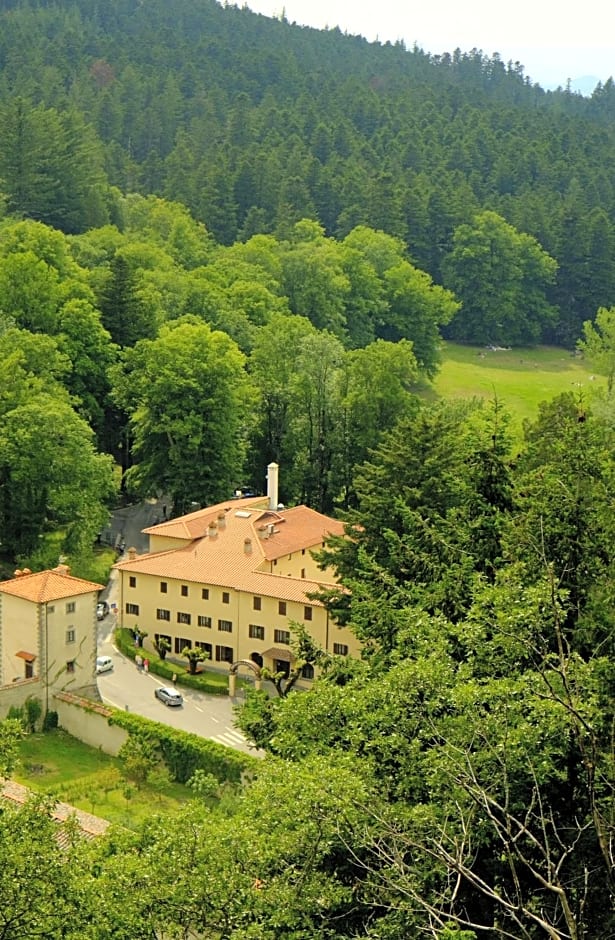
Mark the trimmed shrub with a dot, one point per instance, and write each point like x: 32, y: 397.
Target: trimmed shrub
x: 183, y: 753
x: 33, y: 710
x: 208, y: 682
x: 16, y: 713
x: 50, y: 721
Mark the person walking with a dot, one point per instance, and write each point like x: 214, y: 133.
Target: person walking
x: 146, y: 666
x: 139, y: 661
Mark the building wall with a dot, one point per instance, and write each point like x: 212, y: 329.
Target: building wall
x: 19, y: 630
x: 15, y: 694
x: 70, y: 632
x: 160, y: 543
x: 66, y: 629
x: 211, y: 615
x: 299, y: 564
x: 81, y: 721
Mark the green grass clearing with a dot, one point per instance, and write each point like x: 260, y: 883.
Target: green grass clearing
x: 520, y: 378
x: 90, y: 780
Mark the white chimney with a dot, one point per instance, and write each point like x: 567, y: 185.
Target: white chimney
x: 272, y: 485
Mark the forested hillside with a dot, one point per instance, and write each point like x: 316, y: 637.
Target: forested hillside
x: 254, y: 124
x: 226, y: 240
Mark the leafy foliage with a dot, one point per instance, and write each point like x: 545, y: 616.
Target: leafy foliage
x: 183, y: 753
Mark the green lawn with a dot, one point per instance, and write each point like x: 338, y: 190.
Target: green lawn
x: 87, y: 778
x: 519, y: 378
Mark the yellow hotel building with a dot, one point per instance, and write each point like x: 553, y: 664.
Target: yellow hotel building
x: 230, y: 578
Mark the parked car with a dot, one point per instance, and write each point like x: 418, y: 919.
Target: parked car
x: 102, y: 609
x: 103, y: 664
x: 168, y: 696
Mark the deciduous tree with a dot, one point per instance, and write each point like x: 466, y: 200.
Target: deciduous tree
x: 501, y: 277
x: 188, y: 398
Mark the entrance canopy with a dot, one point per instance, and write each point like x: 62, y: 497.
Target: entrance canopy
x: 29, y: 657
x: 278, y: 652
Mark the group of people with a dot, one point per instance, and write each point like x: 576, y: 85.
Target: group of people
x: 142, y: 664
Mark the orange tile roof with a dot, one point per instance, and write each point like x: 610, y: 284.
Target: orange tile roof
x: 195, y: 524
x: 90, y: 826
x: 43, y: 586
x: 295, y: 529
x: 222, y: 559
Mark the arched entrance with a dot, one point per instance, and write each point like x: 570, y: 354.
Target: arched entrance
x: 232, y: 676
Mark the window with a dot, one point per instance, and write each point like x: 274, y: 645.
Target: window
x: 224, y: 654
x: 163, y: 614
x: 205, y: 594
x: 163, y: 636
x: 303, y: 551
x: 132, y: 609
x: 307, y: 672
x: 184, y: 590
x: 281, y: 636
x: 255, y: 632
x: 70, y: 665
x: 256, y: 603
x: 307, y: 613
x: 50, y: 609
x: 164, y: 587
x: 282, y: 608
x: 303, y: 572
x: 181, y: 643
x: 70, y: 635
x: 340, y: 649
x: 132, y: 581
x: 183, y: 618
x: 226, y: 597
x: 204, y: 621
x: 70, y: 607
x: 225, y: 626
x: 205, y: 647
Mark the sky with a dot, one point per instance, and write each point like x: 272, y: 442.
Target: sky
x: 553, y: 40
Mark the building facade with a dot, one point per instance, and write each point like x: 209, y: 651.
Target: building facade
x: 231, y: 579
x: 48, y: 630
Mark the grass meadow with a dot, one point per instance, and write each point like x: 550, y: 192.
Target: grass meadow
x: 57, y: 764
x: 520, y: 379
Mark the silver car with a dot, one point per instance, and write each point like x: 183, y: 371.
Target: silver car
x: 168, y: 696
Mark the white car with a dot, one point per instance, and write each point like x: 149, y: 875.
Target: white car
x: 103, y: 664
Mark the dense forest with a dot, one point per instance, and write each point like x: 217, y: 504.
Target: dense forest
x: 226, y: 240
x: 254, y: 124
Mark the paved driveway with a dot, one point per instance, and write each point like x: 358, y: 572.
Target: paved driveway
x: 210, y: 716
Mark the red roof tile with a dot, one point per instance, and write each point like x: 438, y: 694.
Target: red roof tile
x: 89, y: 825
x: 43, y: 586
x: 222, y: 558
